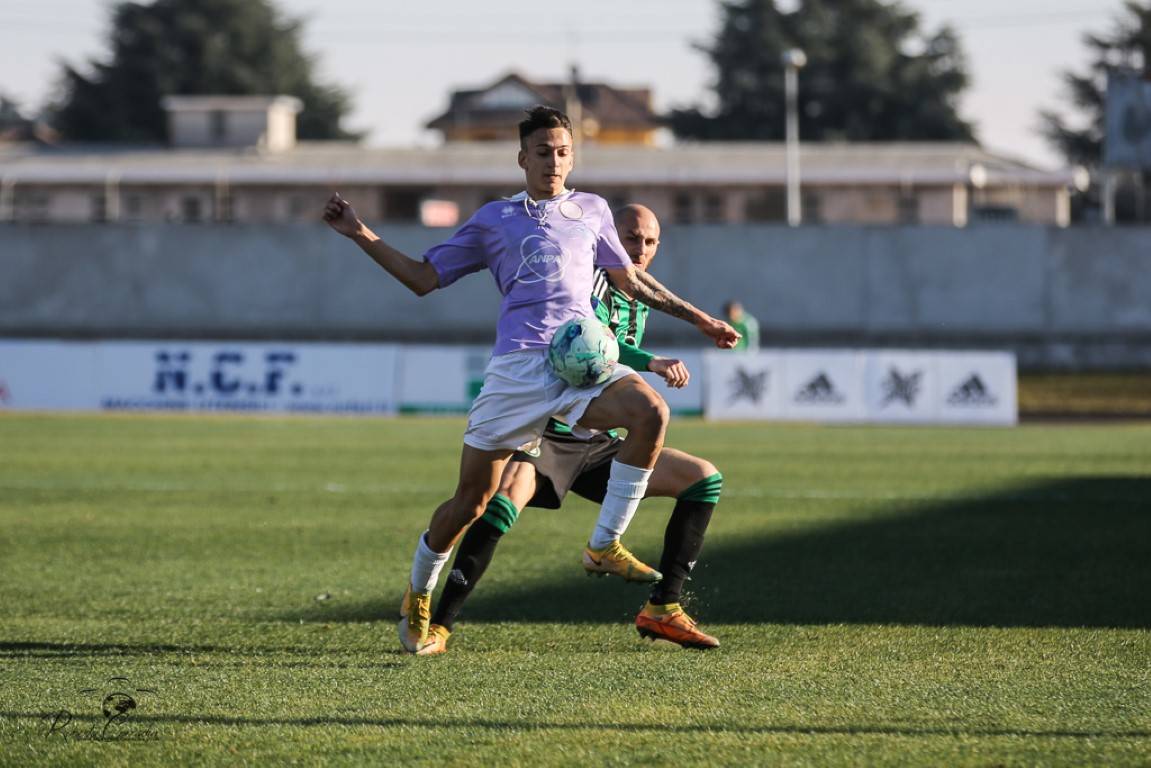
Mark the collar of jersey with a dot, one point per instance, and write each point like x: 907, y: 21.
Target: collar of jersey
x: 524, y: 196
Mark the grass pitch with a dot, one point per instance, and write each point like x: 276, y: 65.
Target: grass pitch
x: 883, y: 595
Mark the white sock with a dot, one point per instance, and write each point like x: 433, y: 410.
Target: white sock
x: 626, y: 485
x: 426, y: 566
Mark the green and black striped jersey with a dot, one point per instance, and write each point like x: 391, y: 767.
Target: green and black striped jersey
x: 626, y: 317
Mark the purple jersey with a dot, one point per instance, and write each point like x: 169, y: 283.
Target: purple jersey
x: 543, y: 258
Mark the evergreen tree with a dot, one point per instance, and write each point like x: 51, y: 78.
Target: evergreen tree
x: 871, y: 74
x: 192, y: 47
x: 1080, y: 138
x: 1127, y: 46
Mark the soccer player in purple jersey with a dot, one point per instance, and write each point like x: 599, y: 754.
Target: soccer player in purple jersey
x: 563, y: 463
x: 542, y: 247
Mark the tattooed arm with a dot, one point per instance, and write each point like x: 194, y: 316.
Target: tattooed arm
x: 643, y: 287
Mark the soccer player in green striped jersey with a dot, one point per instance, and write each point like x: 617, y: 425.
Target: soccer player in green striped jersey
x: 562, y: 462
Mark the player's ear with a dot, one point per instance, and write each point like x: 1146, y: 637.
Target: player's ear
x: 523, y: 159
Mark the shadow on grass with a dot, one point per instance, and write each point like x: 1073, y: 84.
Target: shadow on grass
x: 520, y: 725
x: 25, y: 650
x: 266, y: 655
x: 1069, y: 553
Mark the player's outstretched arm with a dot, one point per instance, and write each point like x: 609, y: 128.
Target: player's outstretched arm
x: 642, y: 286
x: 420, y: 277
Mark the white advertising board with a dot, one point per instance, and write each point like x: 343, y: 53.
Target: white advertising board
x: 742, y: 385
x: 815, y: 385
x: 886, y: 386
x: 48, y: 375
x: 901, y: 386
x: 209, y: 376
x: 977, y: 387
x: 440, y: 379
x: 823, y: 386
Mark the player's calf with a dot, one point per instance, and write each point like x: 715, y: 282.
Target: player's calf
x: 684, y: 535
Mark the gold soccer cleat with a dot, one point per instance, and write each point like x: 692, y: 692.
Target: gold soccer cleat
x: 671, y: 624
x: 415, y: 616
x: 437, y: 642
x: 615, y: 559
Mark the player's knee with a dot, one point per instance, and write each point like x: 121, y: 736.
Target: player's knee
x: 706, y: 489
x: 651, y: 415
x: 472, y: 500
x: 702, y: 469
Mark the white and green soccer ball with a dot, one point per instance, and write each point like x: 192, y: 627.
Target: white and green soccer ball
x: 583, y: 352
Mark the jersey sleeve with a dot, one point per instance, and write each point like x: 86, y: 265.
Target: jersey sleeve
x: 629, y: 354
x: 461, y: 254
x: 634, y: 357
x: 609, y: 252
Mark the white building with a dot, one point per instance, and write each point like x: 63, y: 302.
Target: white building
x: 236, y: 159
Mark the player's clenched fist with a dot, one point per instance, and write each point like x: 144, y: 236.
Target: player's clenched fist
x: 341, y: 216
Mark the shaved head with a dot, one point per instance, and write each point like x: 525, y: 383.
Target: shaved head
x: 638, y: 230
x: 634, y: 213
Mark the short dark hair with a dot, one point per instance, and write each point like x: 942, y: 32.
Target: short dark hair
x: 540, y: 116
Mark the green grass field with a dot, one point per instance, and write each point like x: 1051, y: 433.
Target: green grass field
x: 884, y: 596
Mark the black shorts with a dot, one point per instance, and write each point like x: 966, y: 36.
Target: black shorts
x: 567, y: 463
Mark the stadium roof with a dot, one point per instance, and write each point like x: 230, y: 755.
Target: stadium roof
x: 454, y: 164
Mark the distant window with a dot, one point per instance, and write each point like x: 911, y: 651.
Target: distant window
x: 218, y: 125
x: 31, y: 205
x: 225, y: 208
x: 995, y: 213
x: 713, y: 209
x: 908, y: 207
x: 683, y: 208
x: 98, y: 209
x: 768, y: 204
x: 299, y: 206
x: 812, y: 211
x: 191, y: 209
x: 133, y: 207
x: 402, y: 204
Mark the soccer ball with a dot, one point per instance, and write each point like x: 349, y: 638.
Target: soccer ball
x: 583, y: 352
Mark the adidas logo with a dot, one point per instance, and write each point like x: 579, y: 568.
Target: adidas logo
x: 457, y: 577
x: 746, y: 384
x: 972, y: 392
x: 897, y: 387
x: 819, y: 390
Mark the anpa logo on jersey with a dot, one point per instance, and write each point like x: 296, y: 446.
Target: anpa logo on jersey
x: 746, y: 384
x: 820, y: 390
x: 900, y: 388
x: 972, y: 392
x: 541, y: 260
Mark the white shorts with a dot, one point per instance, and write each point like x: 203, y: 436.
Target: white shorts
x: 519, y: 395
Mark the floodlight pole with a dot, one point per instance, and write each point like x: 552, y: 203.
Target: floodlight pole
x: 793, y: 60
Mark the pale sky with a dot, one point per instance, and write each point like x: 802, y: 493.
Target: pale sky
x: 400, y: 60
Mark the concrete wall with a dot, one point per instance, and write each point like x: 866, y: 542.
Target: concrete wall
x: 1058, y: 297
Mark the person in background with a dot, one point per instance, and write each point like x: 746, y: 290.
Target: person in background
x: 744, y: 323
